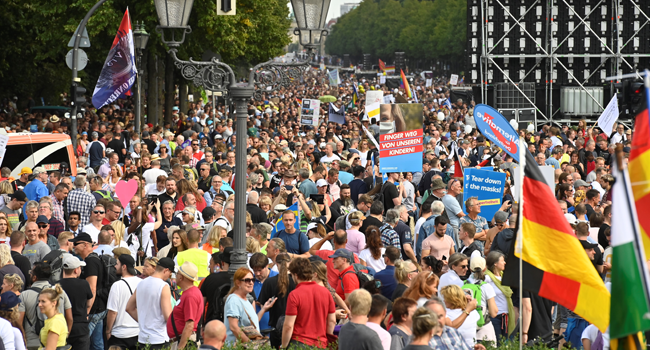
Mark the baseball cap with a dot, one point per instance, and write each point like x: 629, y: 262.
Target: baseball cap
x: 71, y: 262
x: 81, y: 170
x: 42, y: 220
x: 218, y: 137
x: 25, y: 170
x: 587, y: 245
x: 8, y: 300
x: 280, y: 208
x: 167, y: 263
x: 120, y: 251
x: 18, y: 195
x: 312, y: 225
x: 579, y: 183
x: 145, y: 134
x: 225, y: 254
x: 570, y: 218
x: 81, y: 237
x: 477, y: 262
x: 342, y: 253
x: 208, y: 212
x: 500, y: 217
x: 314, y: 258
x: 321, y: 183
x: 128, y: 261
x: 39, y: 170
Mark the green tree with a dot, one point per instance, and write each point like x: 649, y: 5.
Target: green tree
x: 36, y: 34
x: 422, y: 29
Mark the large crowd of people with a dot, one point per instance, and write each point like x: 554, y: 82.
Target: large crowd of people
x: 369, y: 262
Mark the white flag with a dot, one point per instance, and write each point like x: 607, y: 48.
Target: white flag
x: 609, y: 116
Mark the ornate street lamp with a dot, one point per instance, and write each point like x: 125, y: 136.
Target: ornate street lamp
x: 217, y: 76
x: 311, y: 16
x: 140, y: 39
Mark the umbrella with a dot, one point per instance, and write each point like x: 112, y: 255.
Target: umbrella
x: 327, y: 98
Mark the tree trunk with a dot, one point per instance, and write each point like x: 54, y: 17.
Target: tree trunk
x: 169, y: 88
x: 153, y: 109
x: 182, y: 96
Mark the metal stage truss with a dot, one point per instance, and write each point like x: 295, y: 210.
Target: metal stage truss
x: 566, y: 48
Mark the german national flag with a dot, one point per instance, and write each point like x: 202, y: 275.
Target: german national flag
x: 555, y: 265
x: 639, y: 170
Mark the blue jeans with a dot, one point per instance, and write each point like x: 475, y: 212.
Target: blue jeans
x: 500, y: 324
x: 95, y: 329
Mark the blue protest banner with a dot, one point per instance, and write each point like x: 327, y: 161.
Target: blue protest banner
x: 487, y: 186
x: 495, y: 127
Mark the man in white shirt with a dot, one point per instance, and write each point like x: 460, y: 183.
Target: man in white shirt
x: 150, y: 306
x: 121, y: 329
x: 329, y: 154
x: 95, y: 225
x: 151, y: 175
x: 620, y: 136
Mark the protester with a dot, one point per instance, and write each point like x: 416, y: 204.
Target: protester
x: 425, y: 324
x: 55, y: 330
x: 121, y: 329
x: 355, y: 334
x: 79, y: 292
x: 403, y: 310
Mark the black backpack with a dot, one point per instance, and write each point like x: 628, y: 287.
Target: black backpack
x: 362, y: 273
x: 110, y: 275
x: 56, y: 266
x: 219, y: 303
x: 39, y: 323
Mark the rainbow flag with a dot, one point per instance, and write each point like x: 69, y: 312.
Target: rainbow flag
x: 404, y: 84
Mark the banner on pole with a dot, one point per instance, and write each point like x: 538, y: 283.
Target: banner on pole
x: 400, y: 137
x: 119, y: 71
x: 309, y: 112
x: 496, y: 128
x: 334, y: 77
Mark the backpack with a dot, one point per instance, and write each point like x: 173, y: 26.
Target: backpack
x: 219, y: 302
x: 362, y: 273
x: 110, y: 275
x: 105, y: 195
x: 39, y: 323
x: 477, y: 293
x: 56, y: 265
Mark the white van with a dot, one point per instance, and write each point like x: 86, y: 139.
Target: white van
x: 48, y: 150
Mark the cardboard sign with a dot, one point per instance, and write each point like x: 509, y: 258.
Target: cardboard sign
x: 454, y: 79
x: 374, y: 96
x: 487, y: 186
x: 336, y: 115
x: 309, y: 112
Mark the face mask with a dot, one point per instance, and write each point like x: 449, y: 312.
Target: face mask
x: 387, y: 127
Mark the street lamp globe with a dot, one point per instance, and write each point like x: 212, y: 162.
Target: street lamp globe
x: 140, y: 36
x: 173, y: 15
x: 311, y: 16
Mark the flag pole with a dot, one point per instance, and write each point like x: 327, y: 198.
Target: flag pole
x: 520, y: 241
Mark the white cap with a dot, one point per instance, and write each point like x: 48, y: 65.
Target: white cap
x: 570, y: 218
x: 312, y: 225
x: 321, y: 183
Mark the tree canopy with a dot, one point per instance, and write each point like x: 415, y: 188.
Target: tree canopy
x: 422, y: 29
x: 36, y: 34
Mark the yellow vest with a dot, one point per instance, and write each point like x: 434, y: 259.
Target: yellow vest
x: 198, y: 257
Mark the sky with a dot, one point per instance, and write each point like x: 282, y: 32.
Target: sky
x: 335, y: 7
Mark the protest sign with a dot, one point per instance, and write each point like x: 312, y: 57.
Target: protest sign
x: 374, y: 96
x: 388, y: 99
x: 609, y: 116
x: 488, y: 187
x: 496, y: 128
x: 309, y: 112
x: 400, y: 137
x: 382, y: 79
x: 337, y: 115
x: 454, y: 79
x: 334, y: 77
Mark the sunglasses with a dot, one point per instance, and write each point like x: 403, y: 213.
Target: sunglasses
x: 98, y: 211
x: 42, y: 226
x: 248, y: 280
x: 463, y: 266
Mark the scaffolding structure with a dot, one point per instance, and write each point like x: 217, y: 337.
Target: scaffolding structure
x: 565, y: 47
